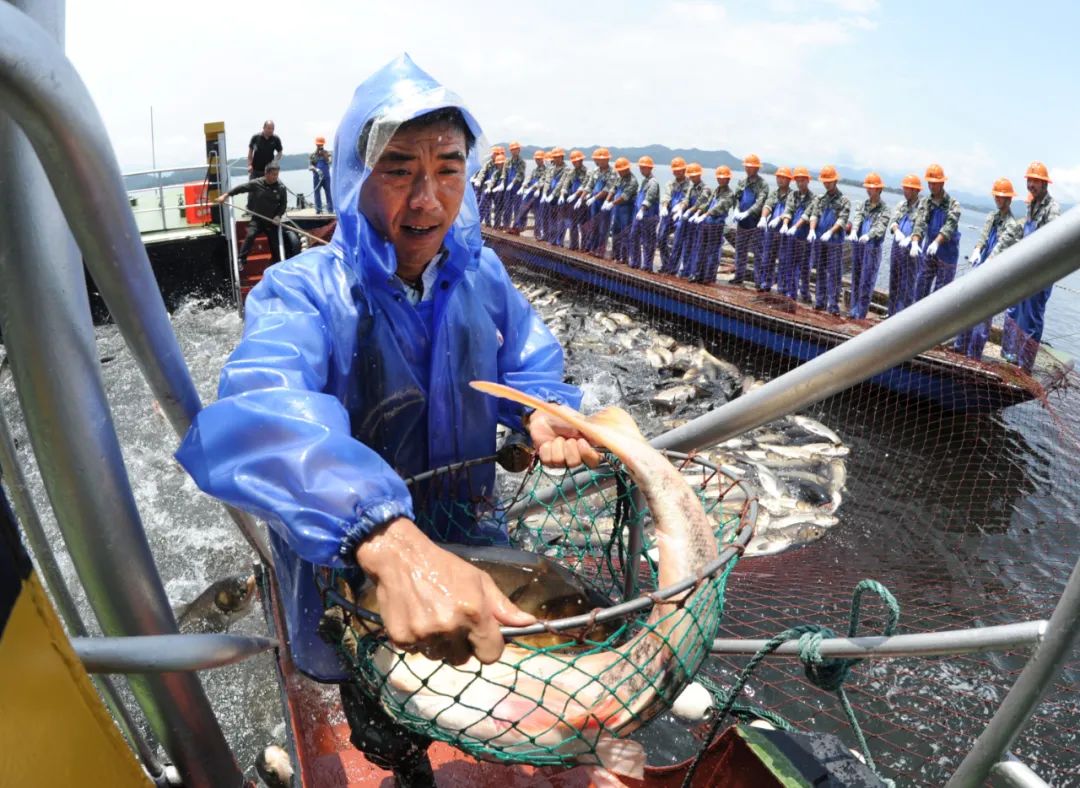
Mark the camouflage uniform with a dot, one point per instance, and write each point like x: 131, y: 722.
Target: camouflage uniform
x: 1000, y: 231
x: 673, y: 196
x: 574, y: 184
x: 765, y: 270
x: 750, y: 196
x: 872, y: 221
x: 937, y: 217
x: 600, y: 186
x: 794, y: 270
x: 513, y: 176
x: 1024, y: 321
x: 703, y: 247
x: 902, y: 269
x: 686, y: 233
x: 551, y: 227
x: 829, y: 209
x: 530, y: 199
x: 625, y: 190
x: 643, y: 230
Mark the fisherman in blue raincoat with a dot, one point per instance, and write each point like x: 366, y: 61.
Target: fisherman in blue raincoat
x: 353, y: 372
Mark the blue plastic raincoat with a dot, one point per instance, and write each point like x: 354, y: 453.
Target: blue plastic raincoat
x: 340, y: 386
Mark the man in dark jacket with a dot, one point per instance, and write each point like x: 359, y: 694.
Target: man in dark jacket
x: 267, y: 202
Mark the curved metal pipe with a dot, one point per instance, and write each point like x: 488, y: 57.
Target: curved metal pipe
x: 167, y: 653
x: 42, y: 92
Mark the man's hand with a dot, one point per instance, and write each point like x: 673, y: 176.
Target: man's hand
x: 221, y: 198
x: 433, y: 602
x: 558, y: 444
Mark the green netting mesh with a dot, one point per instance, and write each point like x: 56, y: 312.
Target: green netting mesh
x: 555, y: 696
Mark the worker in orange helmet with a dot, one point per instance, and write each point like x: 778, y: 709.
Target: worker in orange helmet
x: 769, y: 224
x: 673, y: 196
x: 529, y: 194
x: 319, y: 164
x: 794, y: 269
x: 936, y: 237
x: 506, y: 200
x: 695, y: 201
x: 621, y: 205
x: 750, y: 195
x: 550, y: 221
x: 484, y: 172
x: 708, y: 238
x: 486, y: 205
x: 643, y: 230
x: 902, y: 268
x: 869, y: 226
x: 1024, y: 321
x: 571, y: 198
x: 598, y: 191
x: 830, y: 216
x: 1000, y: 231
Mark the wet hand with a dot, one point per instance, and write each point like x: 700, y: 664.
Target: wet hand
x: 558, y: 444
x: 432, y: 602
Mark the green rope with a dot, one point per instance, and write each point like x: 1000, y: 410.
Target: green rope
x: 825, y: 673
x: 744, y: 711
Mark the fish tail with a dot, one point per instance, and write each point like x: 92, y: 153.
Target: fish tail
x: 612, y: 428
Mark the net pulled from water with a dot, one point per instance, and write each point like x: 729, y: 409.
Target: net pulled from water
x: 613, y: 649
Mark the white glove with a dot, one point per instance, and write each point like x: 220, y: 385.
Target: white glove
x: 562, y: 200
x: 487, y: 189
x: 853, y: 237
x: 640, y: 214
x: 905, y: 241
x: 775, y: 223
x: 663, y: 210
x: 931, y: 250
x: 786, y: 230
x: 827, y: 234
x: 974, y: 256
x: 498, y: 188
x: 607, y: 206
x: 762, y: 222
x: 898, y: 236
x: 590, y: 201
x: 864, y: 237
x: 522, y: 192
x: 914, y: 250
x: 812, y: 236
x: 700, y: 218
x: 580, y: 200
x: 738, y: 216
x: 676, y: 215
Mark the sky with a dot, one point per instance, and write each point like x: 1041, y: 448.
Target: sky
x: 981, y: 88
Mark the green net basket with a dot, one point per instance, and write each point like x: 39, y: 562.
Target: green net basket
x: 615, y: 651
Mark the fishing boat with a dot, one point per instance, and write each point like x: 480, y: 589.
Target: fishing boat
x: 48, y: 337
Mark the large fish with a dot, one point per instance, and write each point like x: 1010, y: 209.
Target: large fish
x: 580, y: 706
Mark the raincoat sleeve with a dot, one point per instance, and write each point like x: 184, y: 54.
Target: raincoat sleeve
x: 530, y: 359
x: 276, y: 443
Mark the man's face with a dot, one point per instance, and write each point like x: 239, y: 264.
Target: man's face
x: 936, y: 189
x: 782, y: 182
x: 1003, y: 203
x: 645, y: 170
x: 830, y: 187
x: 602, y: 164
x: 751, y: 170
x: 910, y: 193
x: 1037, y: 187
x: 874, y: 193
x: 722, y: 181
x: 695, y: 178
x: 680, y: 175
x: 272, y: 176
x: 802, y: 183
x: 268, y: 129
x: 414, y: 191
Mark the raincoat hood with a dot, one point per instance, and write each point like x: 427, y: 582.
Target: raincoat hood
x: 398, y: 92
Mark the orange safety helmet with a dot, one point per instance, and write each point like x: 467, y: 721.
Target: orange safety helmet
x: 645, y: 161
x: 1038, y: 170
x: 320, y: 140
x: 538, y: 154
x: 911, y: 182
x: 515, y: 145
x: 723, y: 171
x: 557, y: 152
x: 1003, y: 188
x: 678, y: 163
x: 693, y: 169
x: 601, y: 153
x: 873, y: 181
x: 498, y: 149
x: 622, y: 164
x: 548, y: 156
x: 752, y: 161
x: 576, y: 156
x: 801, y: 172
x: 500, y: 158
x: 828, y: 174
x: 783, y: 172
x: 934, y: 174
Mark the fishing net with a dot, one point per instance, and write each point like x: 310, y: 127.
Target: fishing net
x: 608, y: 657
x: 956, y: 488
